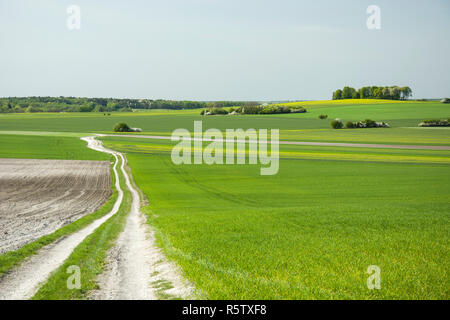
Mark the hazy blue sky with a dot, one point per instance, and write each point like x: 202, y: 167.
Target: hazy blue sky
x: 222, y: 49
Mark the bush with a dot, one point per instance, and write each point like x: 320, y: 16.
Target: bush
x: 122, y: 127
x: 435, y: 123
x: 337, y: 124
x: 298, y: 110
x: 445, y: 100
x: 369, y: 123
x: 251, y: 110
x: 366, y: 124
x: 350, y: 125
x: 323, y: 116
x: 213, y: 111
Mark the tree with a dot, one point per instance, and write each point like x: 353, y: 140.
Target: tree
x: 337, y: 94
x: 122, y: 127
x: 377, y: 93
x: 395, y: 93
x: 347, y: 93
x: 31, y: 109
x: 386, y: 93
x: 364, y: 93
x: 405, y: 92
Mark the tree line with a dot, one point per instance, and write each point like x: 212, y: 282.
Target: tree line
x: 373, y: 92
x: 74, y: 104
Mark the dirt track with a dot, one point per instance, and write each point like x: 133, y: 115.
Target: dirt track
x: 136, y: 268
x: 23, y: 281
x: 38, y: 197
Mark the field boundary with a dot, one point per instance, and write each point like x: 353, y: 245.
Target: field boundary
x: 302, y: 143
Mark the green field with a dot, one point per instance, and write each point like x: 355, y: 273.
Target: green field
x: 309, y: 232
x: 46, y: 147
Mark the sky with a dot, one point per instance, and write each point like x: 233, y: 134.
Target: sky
x: 222, y: 49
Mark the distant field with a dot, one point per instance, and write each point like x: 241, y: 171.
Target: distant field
x: 46, y: 147
x: 402, y: 116
x: 310, y: 231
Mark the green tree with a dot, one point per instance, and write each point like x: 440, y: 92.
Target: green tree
x: 405, y: 92
x: 395, y: 93
x: 347, y: 93
x: 364, y: 93
x: 337, y: 94
x: 386, y: 93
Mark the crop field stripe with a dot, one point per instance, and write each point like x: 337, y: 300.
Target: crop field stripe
x: 300, y: 152
x: 301, y: 143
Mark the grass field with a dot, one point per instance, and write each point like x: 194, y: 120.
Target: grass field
x: 46, y: 147
x: 310, y: 231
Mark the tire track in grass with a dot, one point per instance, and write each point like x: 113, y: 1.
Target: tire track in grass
x: 23, y: 281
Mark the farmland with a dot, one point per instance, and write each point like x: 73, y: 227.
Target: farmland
x: 41, y: 196
x: 309, y: 232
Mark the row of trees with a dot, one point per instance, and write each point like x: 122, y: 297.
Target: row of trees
x: 253, y: 109
x: 73, y: 104
x: 373, y: 92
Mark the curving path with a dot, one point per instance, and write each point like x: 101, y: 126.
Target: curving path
x: 135, y: 269
x: 24, y: 281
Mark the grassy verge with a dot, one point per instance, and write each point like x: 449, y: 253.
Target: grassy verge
x: 89, y: 256
x: 11, y: 259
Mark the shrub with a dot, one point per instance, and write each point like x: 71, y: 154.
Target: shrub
x: 445, y: 100
x: 298, y: 110
x: 214, y: 111
x: 369, y: 123
x: 122, y: 127
x: 366, y: 124
x: 268, y: 110
x: 251, y: 109
x: 323, y: 116
x: 350, y: 125
x: 435, y: 123
x: 337, y: 124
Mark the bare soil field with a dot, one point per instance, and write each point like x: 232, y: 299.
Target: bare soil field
x: 38, y: 197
